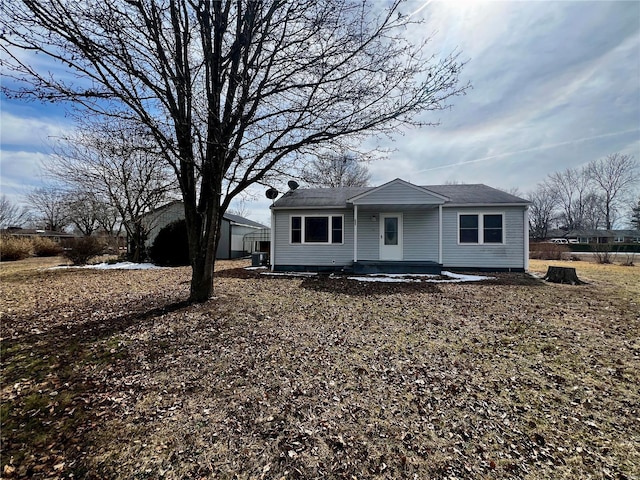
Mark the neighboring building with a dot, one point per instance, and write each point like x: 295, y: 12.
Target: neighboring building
x: 400, y: 227
x: 597, y: 236
x: 58, y: 237
x: 232, y: 230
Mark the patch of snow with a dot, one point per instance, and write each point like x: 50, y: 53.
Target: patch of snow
x: 115, y: 266
x: 385, y: 279
x: 255, y: 268
x: 466, y: 278
x: 401, y: 277
x: 290, y: 274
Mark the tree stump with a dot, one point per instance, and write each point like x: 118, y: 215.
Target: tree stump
x: 563, y: 275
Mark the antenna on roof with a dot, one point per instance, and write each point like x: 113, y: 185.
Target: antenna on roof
x: 272, y: 193
x: 293, y: 184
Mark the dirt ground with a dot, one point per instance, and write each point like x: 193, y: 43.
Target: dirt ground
x: 110, y: 374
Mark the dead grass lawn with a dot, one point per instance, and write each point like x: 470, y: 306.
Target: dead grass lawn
x: 108, y: 374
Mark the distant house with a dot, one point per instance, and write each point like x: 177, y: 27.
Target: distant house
x: 597, y: 236
x: 58, y: 237
x: 400, y: 227
x: 233, y: 230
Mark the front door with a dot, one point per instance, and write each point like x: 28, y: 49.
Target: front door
x: 390, y: 236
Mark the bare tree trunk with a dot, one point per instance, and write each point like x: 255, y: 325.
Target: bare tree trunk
x: 203, y: 232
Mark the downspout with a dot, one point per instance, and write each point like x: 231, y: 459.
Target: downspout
x: 526, y: 238
x: 355, y: 233
x: 272, y: 237
x: 440, y: 234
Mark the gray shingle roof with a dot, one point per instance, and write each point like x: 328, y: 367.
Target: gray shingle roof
x: 319, y: 197
x: 244, y: 221
x: 475, y: 194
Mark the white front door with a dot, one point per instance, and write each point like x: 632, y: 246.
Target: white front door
x: 390, y: 236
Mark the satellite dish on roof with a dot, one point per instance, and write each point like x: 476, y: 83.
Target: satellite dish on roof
x: 293, y: 184
x: 271, y: 193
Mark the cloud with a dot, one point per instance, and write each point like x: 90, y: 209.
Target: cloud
x: 21, y: 171
x: 30, y: 133
x: 555, y: 85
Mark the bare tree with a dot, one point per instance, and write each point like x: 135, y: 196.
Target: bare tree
x: 83, y: 209
x: 232, y: 91
x: 571, y: 188
x: 11, y: 214
x: 118, y: 165
x: 239, y: 207
x: 592, y: 211
x: 634, y: 218
x: 49, y: 207
x: 336, y: 171
x: 614, y: 177
x: 542, y: 210
x: 109, y: 219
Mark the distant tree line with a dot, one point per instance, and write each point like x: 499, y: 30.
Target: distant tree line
x: 597, y: 195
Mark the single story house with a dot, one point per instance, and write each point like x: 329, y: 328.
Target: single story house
x: 232, y: 230
x: 31, y: 233
x: 598, y: 236
x: 399, y: 227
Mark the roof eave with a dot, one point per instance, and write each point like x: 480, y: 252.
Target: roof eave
x: 486, y: 204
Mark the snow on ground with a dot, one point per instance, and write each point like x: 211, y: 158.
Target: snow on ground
x: 400, y: 277
x: 115, y: 266
x: 255, y: 268
x: 290, y: 274
x: 446, y: 277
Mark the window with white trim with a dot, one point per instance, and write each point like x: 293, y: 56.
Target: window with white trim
x: 327, y: 229
x: 481, y: 228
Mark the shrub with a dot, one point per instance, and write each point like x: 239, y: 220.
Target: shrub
x: 81, y: 250
x: 14, y: 248
x: 629, y: 258
x: 548, y: 251
x: 171, y: 246
x: 45, y: 247
x: 602, y: 253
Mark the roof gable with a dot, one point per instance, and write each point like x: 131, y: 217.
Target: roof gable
x: 398, y: 192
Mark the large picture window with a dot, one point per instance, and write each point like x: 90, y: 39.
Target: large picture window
x: 316, y: 229
x: 481, y: 228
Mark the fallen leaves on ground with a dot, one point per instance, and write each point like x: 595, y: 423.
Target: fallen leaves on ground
x: 112, y: 375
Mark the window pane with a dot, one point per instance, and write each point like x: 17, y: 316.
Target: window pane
x: 493, y: 235
x: 468, y: 221
x: 316, y: 229
x: 492, y: 228
x: 493, y: 221
x: 469, y: 235
x: 336, y: 230
x: 296, y: 229
x: 391, y: 231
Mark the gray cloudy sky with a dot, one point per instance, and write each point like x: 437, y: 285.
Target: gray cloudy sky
x: 556, y: 84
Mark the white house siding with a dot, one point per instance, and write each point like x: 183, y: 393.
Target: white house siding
x: 420, y: 234
x: 237, y: 239
x: 306, y: 254
x: 368, y: 235
x: 157, y: 220
x: 510, y: 254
